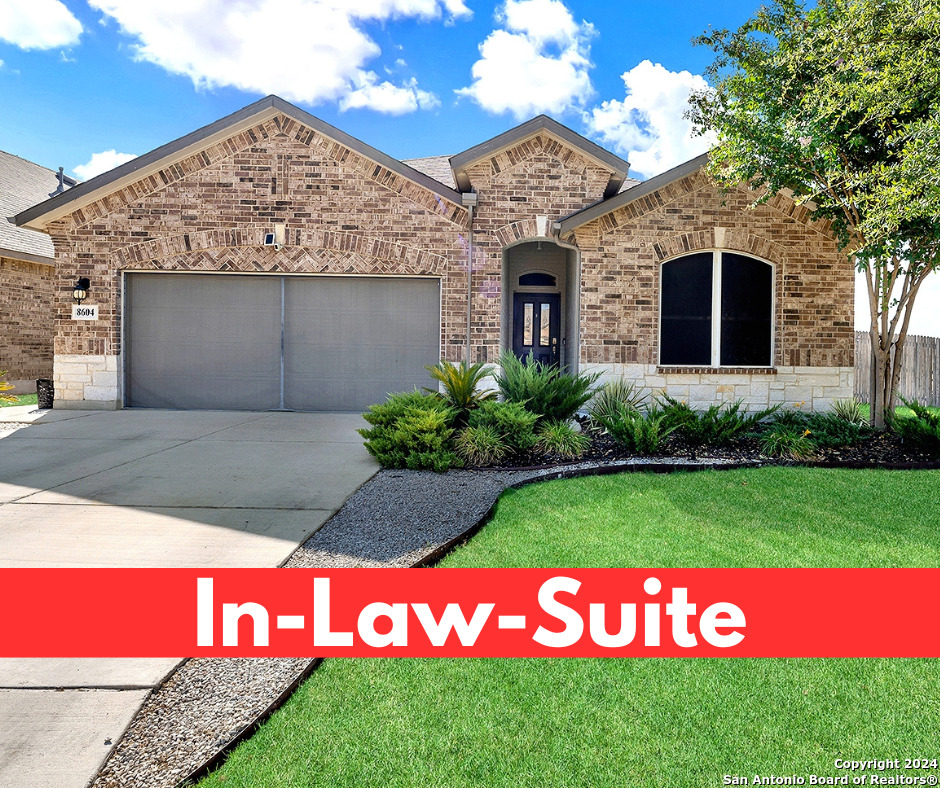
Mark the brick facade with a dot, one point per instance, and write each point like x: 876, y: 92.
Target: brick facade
x: 26, y: 320
x: 346, y: 214
x: 621, y: 253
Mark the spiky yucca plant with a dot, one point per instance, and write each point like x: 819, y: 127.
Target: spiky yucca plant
x: 849, y: 410
x: 610, y: 394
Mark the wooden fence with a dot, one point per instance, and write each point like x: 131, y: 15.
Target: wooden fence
x: 920, y: 369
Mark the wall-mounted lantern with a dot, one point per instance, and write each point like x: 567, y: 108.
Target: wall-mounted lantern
x: 80, y: 293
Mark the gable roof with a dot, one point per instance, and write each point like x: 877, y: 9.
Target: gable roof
x: 630, y: 194
x: 22, y: 184
x: 541, y: 123
x: 61, y: 205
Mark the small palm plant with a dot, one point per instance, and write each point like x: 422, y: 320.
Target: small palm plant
x: 461, y: 384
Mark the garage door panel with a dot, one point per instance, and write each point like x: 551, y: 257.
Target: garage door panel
x: 214, y: 341
x: 198, y: 341
x: 349, y: 342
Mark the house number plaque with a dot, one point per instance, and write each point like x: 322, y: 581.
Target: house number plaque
x: 80, y: 312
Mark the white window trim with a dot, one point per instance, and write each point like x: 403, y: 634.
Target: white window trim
x: 716, y: 311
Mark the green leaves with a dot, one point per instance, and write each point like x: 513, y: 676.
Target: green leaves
x: 460, y: 384
x: 411, y: 430
x: 838, y: 104
x: 544, y: 389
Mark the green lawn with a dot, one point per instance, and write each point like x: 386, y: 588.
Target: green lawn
x: 632, y: 722
x: 24, y: 399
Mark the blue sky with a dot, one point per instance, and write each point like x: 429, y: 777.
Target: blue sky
x: 86, y: 84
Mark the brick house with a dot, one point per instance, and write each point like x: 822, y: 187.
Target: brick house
x: 26, y: 274
x: 270, y: 260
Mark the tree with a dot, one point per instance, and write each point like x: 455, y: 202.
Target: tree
x: 838, y: 106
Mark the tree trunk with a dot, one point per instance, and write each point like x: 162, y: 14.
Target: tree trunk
x: 880, y: 378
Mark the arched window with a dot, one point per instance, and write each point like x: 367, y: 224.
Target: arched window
x: 537, y: 279
x: 716, y: 309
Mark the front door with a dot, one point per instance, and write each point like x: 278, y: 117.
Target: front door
x: 536, y: 326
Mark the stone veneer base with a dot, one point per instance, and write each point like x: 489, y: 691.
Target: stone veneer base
x: 811, y: 388
x: 87, y: 382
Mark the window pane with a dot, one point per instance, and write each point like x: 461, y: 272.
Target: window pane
x: 545, y: 325
x: 746, y: 311
x: 527, y: 320
x: 537, y: 280
x: 686, y: 317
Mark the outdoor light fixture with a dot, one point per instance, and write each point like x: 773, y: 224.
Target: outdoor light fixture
x: 80, y: 293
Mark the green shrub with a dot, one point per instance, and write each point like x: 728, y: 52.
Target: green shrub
x: 511, y: 421
x: 560, y: 437
x: 718, y: 425
x: 675, y: 414
x: 481, y: 445
x: 638, y: 432
x: 782, y: 440
x: 411, y: 430
x: 823, y: 430
x: 790, y: 418
x: 922, y: 428
x: 542, y: 388
x: 460, y: 384
x: 5, y: 386
x: 828, y: 431
x: 850, y: 410
x: 612, y: 393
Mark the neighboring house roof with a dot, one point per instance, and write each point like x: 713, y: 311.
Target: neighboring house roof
x: 638, y: 190
x: 23, y: 184
x: 629, y: 183
x: 437, y: 167
x: 542, y: 123
x: 40, y: 215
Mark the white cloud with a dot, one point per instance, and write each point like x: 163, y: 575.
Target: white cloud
x: 101, y: 162
x: 538, y: 62
x: 304, y: 50
x: 648, y: 125
x: 388, y: 98
x: 38, y: 24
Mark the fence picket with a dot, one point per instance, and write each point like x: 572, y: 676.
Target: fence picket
x: 920, y: 369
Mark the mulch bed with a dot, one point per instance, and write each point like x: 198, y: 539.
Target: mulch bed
x: 883, y: 450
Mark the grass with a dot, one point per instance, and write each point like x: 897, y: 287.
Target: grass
x: 899, y: 411
x: 631, y: 722
x: 24, y: 399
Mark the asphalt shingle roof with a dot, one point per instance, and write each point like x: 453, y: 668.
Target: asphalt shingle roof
x: 22, y: 185
x: 437, y: 167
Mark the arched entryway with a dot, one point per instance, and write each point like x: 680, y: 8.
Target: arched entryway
x: 540, y: 302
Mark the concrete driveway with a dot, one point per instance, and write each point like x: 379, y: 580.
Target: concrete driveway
x: 146, y: 488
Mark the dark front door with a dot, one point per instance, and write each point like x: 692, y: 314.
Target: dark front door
x: 536, y: 326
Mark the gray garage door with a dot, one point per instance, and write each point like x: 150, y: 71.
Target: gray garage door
x: 269, y: 342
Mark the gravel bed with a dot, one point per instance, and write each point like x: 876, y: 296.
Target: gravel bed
x: 11, y: 426
x: 203, y: 706
x: 397, y: 519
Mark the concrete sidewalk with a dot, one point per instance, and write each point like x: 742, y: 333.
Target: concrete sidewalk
x: 146, y: 488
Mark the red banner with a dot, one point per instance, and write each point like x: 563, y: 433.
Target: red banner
x: 469, y: 612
